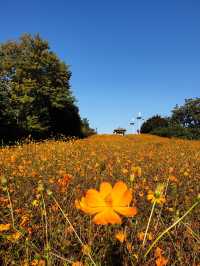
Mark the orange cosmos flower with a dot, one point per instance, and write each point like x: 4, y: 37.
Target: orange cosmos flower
x: 107, y: 203
x: 4, y: 227
x: 140, y: 236
x: 64, y: 182
x: 38, y: 263
x: 173, y: 178
x: 14, y: 237
x: 77, y: 263
x: 121, y: 236
x: 160, y: 259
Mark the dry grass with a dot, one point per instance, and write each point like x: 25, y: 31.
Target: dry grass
x: 68, y: 169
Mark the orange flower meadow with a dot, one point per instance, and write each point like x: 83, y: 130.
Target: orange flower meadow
x: 132, y: 194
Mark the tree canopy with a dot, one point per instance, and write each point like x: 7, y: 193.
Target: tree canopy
x: 183, y: 123
x: 188, y: 114
x: 35, y: 93
x: 86, y: 129
x: 154, y: 122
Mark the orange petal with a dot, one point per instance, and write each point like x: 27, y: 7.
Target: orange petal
x: 126, y: 198
x: 150, y: 196
x: 158, y: 252
x: 87, y: 209
x: 118, y: 190
x: 161, y: 261
x: 105, y: 189
x: 106, y: 217
x: 93, y: 199
x: 126, y: 211
x: 4, y: 227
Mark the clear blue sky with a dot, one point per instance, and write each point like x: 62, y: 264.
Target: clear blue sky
x: 125, y: 56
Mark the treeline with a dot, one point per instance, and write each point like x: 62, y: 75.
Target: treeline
x: 35, y: 94
x: 183, y: 123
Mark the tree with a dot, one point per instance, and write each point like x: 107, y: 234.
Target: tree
x: 153, y: 123
x: 5, y: 103
x: 86, y: 129
x: 35, y: 89
x: 187, y: 115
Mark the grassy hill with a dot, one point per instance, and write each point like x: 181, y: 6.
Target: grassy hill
x: 40, y: 223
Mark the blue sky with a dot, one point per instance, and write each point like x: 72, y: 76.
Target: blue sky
x: 125, y: 56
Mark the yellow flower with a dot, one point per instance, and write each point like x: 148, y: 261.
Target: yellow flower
x: 77, y: 204
x: 86, y: 249
x: 24, y: 220
x: 77, y: 263
x: 121, y: 236
x: 124, y: 171
x: 153, y: 198
x: 36, y: 262
x: 157, y: 196
x: 136, y: 171
x: 141, y: 236
x: 14, y: 237
x: 160, y: 259
x: 4, y: 227
x: 173, y: 178
x: 107, y: 203
x: 35, y: 203
x: 129, y: 246
x: 132, y: 177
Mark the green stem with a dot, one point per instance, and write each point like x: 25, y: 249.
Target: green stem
x: 45, y: 215
x: 46, y: 228
x: 14, y: 227
x: 192, y: 232
x: 145, y: 235
x: 169, y: 228
x: 67, y: 219
x: 11, y: 207
x: 178, y: 254
x: 60, y: 257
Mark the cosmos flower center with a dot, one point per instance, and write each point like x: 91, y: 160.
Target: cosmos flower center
x: 108, y: 201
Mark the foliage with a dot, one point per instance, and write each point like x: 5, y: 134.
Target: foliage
x: 37, y: 174
x: 178, y: 132
x: 86, y: 129
x: 184, y: 122
x: 187, y: 115
x: 35, y: 93
x: 153, y: 123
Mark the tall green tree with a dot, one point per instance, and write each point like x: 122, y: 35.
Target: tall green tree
x: 153, y: 123
x: 188, y: 114
x: 86, y: 129
x: 35, y: 88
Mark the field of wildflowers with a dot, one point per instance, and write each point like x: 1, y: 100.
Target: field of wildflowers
x: 105, y: 200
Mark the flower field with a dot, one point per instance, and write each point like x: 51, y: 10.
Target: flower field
x: 105, y: 200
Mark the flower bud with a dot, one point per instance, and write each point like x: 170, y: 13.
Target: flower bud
x: 49, y: 192
x: 40, y: 186
x: 132, y: 177
x: 4, y: 181
x: 198, y: 197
